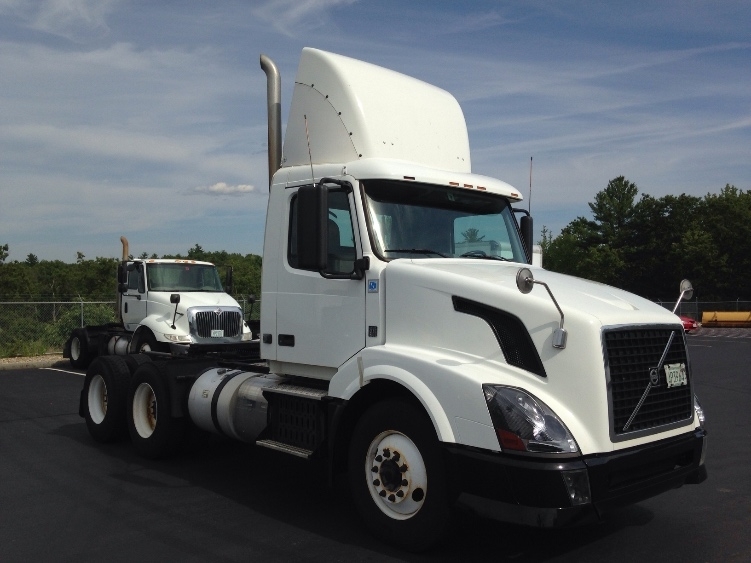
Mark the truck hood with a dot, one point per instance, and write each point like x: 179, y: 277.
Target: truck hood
x: 494, y: 283
x: 427, y: 313
x: 196, y: 299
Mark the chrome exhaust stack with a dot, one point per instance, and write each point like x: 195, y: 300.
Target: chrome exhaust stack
x: 120, y: 275
x: 274, y: 109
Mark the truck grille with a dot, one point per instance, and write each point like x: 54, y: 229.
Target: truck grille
x: 230, y: 322
x: 629, y: 356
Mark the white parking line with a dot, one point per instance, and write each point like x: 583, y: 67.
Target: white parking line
x: 66, y: 371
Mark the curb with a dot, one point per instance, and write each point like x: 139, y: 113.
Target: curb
x: 34, y: 362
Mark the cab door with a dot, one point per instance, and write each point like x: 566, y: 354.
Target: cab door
x: 320, y: 321
x: 134, y: 299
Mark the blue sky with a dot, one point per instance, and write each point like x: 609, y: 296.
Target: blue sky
x: 147, y: 118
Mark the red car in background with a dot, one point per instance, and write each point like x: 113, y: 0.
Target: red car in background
x: 689, y: 324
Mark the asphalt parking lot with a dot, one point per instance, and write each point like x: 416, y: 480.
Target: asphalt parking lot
x: 65, y: 498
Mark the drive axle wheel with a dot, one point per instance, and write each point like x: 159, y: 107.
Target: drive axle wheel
x: 104, y: 398
x: 144, y: 410
x: 398, y: 477
x: 153, y: 430
x: 79, y: 350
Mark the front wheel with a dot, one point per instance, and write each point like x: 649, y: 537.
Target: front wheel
x: 155, y: 433
x: 397, y: 476
x: 145, y: 342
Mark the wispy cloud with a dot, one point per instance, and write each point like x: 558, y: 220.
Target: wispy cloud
x: 76, y: 20
x: 224, y: 189
x: 291, y: 17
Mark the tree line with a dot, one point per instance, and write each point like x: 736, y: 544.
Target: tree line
x: 646, y: 245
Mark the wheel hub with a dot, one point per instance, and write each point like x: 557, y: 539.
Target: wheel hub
x: 396, y: 474
x: 97, y: 399
x: 391, y: 475
x: 144, y: 410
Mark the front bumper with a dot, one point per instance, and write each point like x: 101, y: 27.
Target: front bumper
x: 531, y: 491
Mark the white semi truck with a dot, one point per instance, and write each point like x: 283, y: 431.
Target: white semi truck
x: 163, y: 301
x: 407, y: 339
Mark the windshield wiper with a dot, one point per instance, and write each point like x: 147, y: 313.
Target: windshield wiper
x: 417, y: 251
x: 483, y: 255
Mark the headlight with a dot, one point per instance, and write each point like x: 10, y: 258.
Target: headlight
x: 524, y: 423
x: 184, y: 338
x: 699, y: 411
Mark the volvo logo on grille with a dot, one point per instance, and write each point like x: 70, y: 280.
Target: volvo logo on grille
x: 654, y: 377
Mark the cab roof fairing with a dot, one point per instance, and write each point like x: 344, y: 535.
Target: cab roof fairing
x: 344, y: 109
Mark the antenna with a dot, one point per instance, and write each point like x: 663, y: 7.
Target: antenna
x: 530, y: 185
x: 310, y: 156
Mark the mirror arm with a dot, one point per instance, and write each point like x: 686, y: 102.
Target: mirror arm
x: 174, y: 298
x: 525, y: 281
x: 686, y: 289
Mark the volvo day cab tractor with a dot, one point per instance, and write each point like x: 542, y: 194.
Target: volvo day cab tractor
x: 408, y: 341
x: 162, y: 302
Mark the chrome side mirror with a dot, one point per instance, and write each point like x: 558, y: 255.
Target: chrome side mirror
x: 687, y: 292
x: 525, y: 281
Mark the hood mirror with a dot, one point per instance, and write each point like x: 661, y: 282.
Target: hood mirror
x: 687, y: 292
x: 525, y: 281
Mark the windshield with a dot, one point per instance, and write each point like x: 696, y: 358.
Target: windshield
x: 183, y: 277
x: 423, y: 221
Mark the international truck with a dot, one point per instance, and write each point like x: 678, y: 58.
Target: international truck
x: 163, y: 301
x: 407, y: 340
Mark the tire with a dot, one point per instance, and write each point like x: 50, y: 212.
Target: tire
x: 134, y: 361
x: 397, y: 476
x: 146, y: 342
x: 155, y: 433
x: 104, y: 398
x: 79, y: 349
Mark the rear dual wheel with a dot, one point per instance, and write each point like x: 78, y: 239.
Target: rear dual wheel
x: 79, y: 349
x: 155, y: 433
x: 104, y: 398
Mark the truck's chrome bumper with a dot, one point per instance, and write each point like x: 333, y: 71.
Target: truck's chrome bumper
x: 532, y: 491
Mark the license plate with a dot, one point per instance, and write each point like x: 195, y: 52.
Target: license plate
x: 675, y: 374
x: 217, y: 333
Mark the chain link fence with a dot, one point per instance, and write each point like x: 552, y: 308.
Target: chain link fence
x: 32, y: 328
x: 695, y: 309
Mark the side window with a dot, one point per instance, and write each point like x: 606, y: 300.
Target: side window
x: 292, y: 238
x: 341, y: 246
x: 341, y: 237
x: 135, y: 280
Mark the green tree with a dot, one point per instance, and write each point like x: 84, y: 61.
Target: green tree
x: 613, y: 209
x: 472, y: 235
x: 648, y: 246
x: 197, y: 253
x: 726, y: 216
x: 32, y: 260
x: 4, y: 252
x: 657, y: 225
